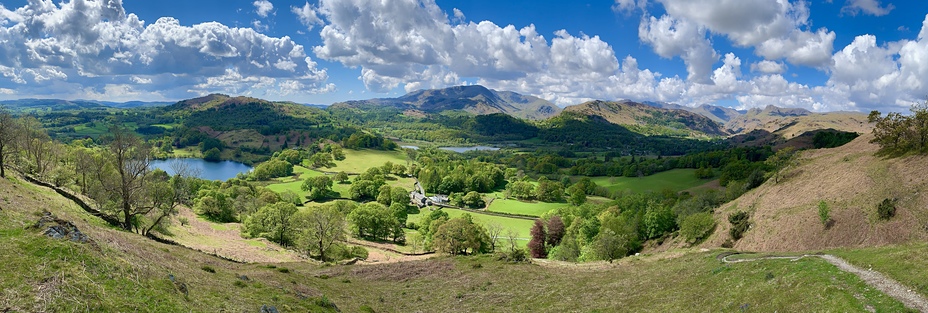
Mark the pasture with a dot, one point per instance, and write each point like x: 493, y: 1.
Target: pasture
x: 675, y: 180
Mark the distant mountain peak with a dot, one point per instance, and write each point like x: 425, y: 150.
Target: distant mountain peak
x: 648, y: 119
x: 475, y: 99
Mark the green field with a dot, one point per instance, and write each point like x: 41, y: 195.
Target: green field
x: 357, y: 161
x: 512, y: 206
x: 521, y: 226
x: 293, y: 183
x: 676, y: 180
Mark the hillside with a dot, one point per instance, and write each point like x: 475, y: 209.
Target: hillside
x: 116, y: 271
x: 650, y: 120
x: 719, y: 114
x: 255, y: 124
x: 852, y: 181
x: 475, y: 99
x: 61, y: 105
x: 789, y: 123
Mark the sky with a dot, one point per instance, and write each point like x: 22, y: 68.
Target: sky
x: 851, y: 55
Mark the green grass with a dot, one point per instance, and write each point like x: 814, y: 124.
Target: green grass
x: 906, y: 263
x: 121, y: 271
x: 512, y: 206
x: 521, y: 226
x: 675, y: 180
x: 357, y: 161
x: 127, y: 272
x: 687, y: 283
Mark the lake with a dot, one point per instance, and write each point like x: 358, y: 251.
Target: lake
x: 474, y: 148
x: 458, y: 149
x: 222, y: 170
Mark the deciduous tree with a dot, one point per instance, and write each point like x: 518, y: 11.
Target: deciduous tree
x: 319, y: 228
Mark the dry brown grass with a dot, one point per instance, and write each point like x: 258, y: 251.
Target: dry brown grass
x: 225, y: 240
x: 852, y: 181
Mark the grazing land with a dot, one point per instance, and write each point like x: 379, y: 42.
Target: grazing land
x: 674, y: 180
x: 512, y: 206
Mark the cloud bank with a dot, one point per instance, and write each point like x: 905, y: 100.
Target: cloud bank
x: 94, y: 46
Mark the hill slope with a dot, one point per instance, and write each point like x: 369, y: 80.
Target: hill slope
x: 648, y: 119
x: 852, y: 181
x: 791, y: 122
x: 475, y: 99
x: 122, y: 272
x: 719, y: 114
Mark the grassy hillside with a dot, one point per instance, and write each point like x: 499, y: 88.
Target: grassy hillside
x: 852, y: 182
x: 119, y: 271
x: 122, y: 272
x: 789, y: 123
x: 650, y: 120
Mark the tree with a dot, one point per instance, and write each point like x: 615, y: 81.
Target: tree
x: 610, y: 246
x: 658, y: 219
x: 318, y: 187
x: 494, y: 231
x: 212, y: 155
x: 341, y: 177
x: 120, y: 177
x: 824, y: 213
x: 782, y: 160
x: 549, y: 191
x: 321, y: 159
x: 319, y: 228
x: 536, y: 245
x: 9, y: 133
x: 37, y: 145
x: 577, y: 194
x: 460, y: 236
x: 473, y: 199
x: 697, y: 226
x: 292, y: 156
x: 373, y: 220
x: 555, y: 230
x: 273, y: 222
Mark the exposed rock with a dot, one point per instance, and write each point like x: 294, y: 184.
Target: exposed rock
x: 268, y: 309
x: 60, y: 229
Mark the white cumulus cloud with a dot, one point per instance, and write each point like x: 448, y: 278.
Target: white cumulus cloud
x: 263, y: 7
x: 871, y: 7
x: 94, y: 45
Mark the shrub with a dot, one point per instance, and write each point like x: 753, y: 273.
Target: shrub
x: 208, y: 269
x: 184, y: 221
x: 697, y: 226
x: 739, y: 224
x: 284, y: 270
x: 824, y: 212
x: 515, y: 256
x: 886, y: 209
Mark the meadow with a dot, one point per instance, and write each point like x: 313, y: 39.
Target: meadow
x: 675, y: 180
x: 357, y: 161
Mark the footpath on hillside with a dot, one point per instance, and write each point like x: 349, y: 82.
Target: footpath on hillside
x: 887, y: 285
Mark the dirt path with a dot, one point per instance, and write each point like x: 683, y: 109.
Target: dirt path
x: 875, y: 279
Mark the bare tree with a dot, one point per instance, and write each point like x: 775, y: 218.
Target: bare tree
x: 37, y: 145
x: 494, y: 231
x: 9, y: 132
x: 512, y: 237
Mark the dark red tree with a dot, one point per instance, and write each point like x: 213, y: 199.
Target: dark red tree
x: 555, y: 230
x: 536, y: 246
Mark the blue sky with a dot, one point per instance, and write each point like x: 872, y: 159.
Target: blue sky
x: 820, y: 55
